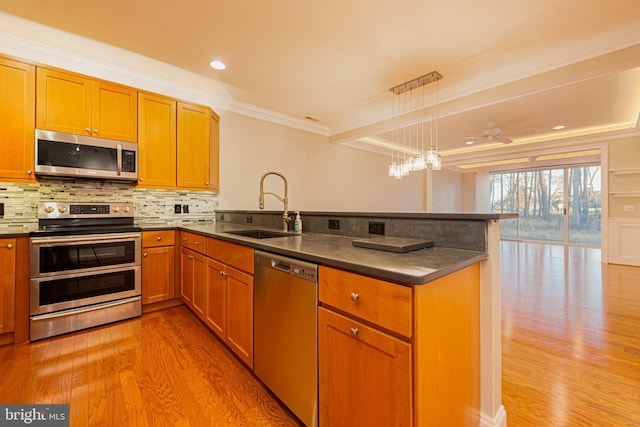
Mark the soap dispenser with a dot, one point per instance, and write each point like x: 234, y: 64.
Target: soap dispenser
x: 297, y: 225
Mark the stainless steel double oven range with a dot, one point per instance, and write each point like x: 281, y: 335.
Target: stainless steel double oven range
x: 85, y: 267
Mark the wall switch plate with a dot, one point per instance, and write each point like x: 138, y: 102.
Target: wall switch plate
x: 334, y: 224
x: 177, y: 208
x: 221, y: 217
x: 629, y: 208
x: 376, y: 228
x: 185, y: 208
x: 249, y: 219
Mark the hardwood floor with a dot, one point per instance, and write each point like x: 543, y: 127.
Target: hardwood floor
x: 571, y: 357
x: 571, y: 337
x: 163, y: 369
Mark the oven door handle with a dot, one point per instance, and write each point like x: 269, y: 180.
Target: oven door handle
x: 92, y: 238
x: 86, y: 309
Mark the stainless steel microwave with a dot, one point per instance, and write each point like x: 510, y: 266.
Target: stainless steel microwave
x: 65, y: 154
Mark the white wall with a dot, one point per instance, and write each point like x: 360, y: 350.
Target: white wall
x: 321, y: 176
x: 446, y: 188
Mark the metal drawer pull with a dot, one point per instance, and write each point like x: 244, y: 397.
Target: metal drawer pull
x: 353, y: 332
x: 9, y: 246
x: 159, y: 238
x: 190, y: 256
x: 144, y: 254
x: 354, y: 296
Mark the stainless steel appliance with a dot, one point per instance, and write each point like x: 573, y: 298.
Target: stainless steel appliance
x: 85, y: 267
x: 65, y: 154
x: 285, y: 331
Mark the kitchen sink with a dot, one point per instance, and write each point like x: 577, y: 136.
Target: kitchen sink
x: 260, y: 234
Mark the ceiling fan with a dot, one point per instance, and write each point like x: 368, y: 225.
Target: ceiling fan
x: 494, y: 134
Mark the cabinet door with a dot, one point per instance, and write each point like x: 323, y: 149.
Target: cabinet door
x: 7, y: 284
x: 240, y: 318
x: 364, y: 374
x: 157, y: 274
x: 199, y: 282
x: 187, y: 266
x: 114, y: 112
x: 214, y: 147
x: 63, y: 102
x: 193, y: 146
x: 17, y: 109
x: 156, y: 141
x: 216, y: 307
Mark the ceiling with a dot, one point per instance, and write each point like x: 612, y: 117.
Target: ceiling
x: 575, y: 62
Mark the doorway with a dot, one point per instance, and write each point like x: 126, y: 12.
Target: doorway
x: 555, y: 205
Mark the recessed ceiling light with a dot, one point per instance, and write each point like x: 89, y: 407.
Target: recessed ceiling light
x: 218, y: 65
x: 469, y: 142
x: 559, y: 127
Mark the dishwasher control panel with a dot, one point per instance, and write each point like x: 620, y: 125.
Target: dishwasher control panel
x: 305, y: 273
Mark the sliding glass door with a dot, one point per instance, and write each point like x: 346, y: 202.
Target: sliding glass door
x: 556, y: 205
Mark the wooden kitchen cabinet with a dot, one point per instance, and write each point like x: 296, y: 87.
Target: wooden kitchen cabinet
x: 7, y: 284
x: 73, y: 103
x: 157, y: 135
x: 192, y: 282
x: 365, y: 375
x: 214, y: 147
x: 158, y: 266
x: 229, y: 308
x: 373, y: 370
x: 17, y: 109
x: 193, y: 146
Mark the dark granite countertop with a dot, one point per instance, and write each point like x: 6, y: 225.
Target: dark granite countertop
x: 415, y: 267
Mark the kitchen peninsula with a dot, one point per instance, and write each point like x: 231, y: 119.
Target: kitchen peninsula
x: 426, y: 351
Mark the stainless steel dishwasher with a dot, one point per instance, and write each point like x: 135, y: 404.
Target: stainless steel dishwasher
x: 285, y: 331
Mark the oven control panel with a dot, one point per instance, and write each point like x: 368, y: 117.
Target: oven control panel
x: 51, y: 210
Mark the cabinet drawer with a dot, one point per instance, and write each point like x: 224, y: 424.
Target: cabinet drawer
x: 152, y: 239
x: 238, y: 256
x: 382, y: 303
x: 193, y: 241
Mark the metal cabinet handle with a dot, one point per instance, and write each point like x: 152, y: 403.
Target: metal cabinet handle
x: 9, y: 246
x: 196, y: 243
x: 354, y: 296
x: 144, y: 254
x: 159, y: 238
x: 190, y: 256
x: 87, y: 130
x: 353, y: 332
x: 141, y: 179
x: 184, y: 239
x: 29, y: 172
x: 96, y: 131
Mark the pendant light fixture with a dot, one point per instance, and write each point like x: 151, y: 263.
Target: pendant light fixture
x: 407, y: 109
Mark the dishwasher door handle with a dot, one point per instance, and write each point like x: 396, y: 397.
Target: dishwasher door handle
x: 279, y: 265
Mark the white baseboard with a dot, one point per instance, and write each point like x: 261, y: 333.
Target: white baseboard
x: 499, y: 419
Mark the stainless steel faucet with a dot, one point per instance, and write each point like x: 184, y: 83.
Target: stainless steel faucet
x: 285, y: 215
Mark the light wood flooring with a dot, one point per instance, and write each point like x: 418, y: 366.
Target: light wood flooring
x: 571, y: 357
x: 163, y: 369
x: 571, y: 337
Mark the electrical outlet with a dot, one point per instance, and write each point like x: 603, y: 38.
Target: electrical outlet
x: 177, y: 208
x: 221, y: 217
x: 376, y: 228
x: 249, y: 219
x: 1, y: 210
x: 334, y: 224
x: 185, y: 208
x: 629, y: 208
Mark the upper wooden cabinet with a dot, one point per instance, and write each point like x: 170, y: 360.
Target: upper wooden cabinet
x: 76, y: 104
x: 17, y: 110
x: 194, y: 123
x: 157, y: 134
x: 214, y: 146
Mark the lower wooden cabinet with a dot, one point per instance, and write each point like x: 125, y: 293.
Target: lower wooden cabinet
x: 365, y: 376
x: 158, y: 266
x: 7, y: 284
x: 229, y: 307
x: 192, y: 283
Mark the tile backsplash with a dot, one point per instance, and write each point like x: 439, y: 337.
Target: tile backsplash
x: 151, y: 206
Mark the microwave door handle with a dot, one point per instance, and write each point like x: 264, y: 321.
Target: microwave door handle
x: 119, y: 159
